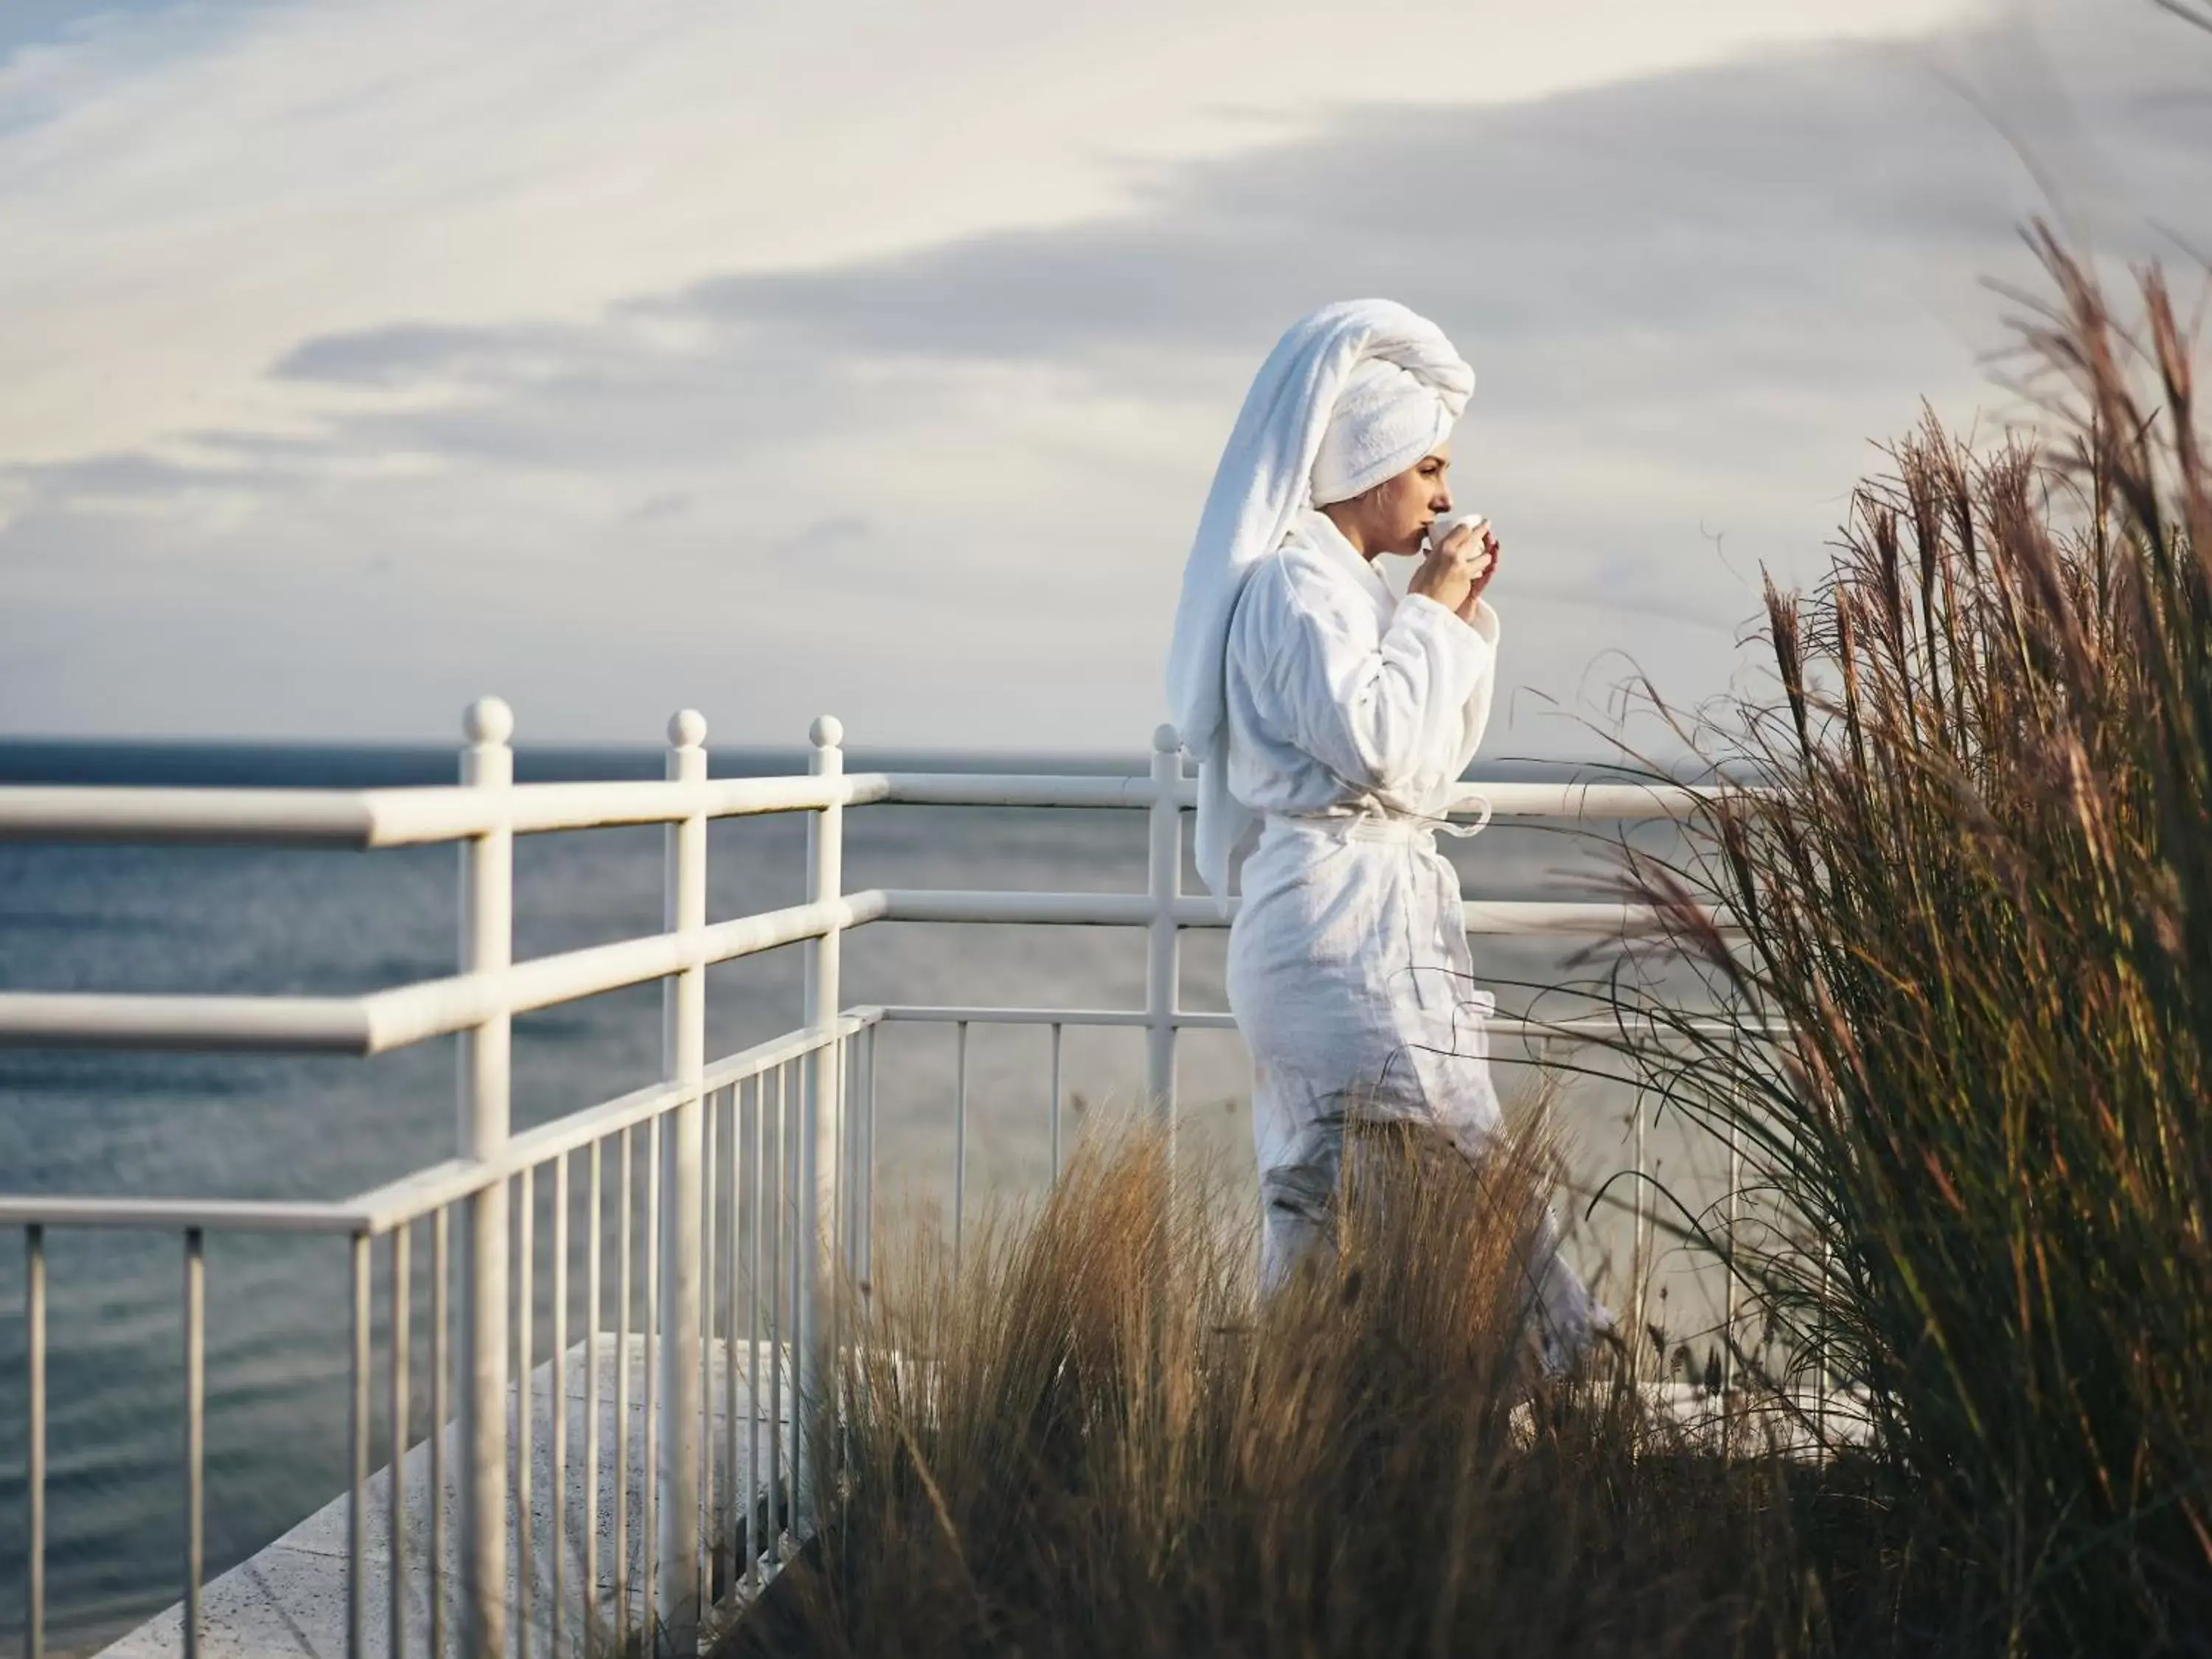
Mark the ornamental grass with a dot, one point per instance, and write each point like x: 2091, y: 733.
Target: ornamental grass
x: 1974, y: 883
x: 1090, y: 1444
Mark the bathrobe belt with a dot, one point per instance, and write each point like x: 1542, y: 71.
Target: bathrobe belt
x: 1372, y: 821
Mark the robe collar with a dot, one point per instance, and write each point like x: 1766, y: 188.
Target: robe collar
x: 1317, y: 527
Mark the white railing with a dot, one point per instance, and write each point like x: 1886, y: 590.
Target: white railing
x: 757, y: 1168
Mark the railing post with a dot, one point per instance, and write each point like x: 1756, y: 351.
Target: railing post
x: 819, y: 1189
x: 683, y: 1050
x: 1639, y: 1254
x: 1165, y: 866
x: 487, y: 945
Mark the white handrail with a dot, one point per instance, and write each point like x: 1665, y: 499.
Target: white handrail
x: 380, y: 1021
x: 305, y: 818
x: 370, y: 818
x: 1583, y: 1028
x: 993, y: 789
x: 90, y: 1020
x: 178, y: 1214
x: 1528, y: 800
x: 1489, y: 916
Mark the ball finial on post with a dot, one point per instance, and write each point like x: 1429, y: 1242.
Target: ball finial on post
x: 487, y: 721
x: 687, y: 728
x: 828, y: 732
x: 1166, y: 740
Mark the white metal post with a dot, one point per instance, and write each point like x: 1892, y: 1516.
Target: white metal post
x: 487, y: 946
x: 683, y: 1049
x: 1639, y: 1255
x: 1165, y: 885
x: 1734, y: 1196
x: 816, y: 1234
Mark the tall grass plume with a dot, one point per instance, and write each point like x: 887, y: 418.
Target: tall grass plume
x: 1975, y: 886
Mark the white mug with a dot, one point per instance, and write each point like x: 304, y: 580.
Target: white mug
x: 1451, y: 521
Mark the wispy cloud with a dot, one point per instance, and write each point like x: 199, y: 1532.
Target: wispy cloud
x: 902, y: 479
x: 193, y: 188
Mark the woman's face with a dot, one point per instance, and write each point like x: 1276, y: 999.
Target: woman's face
x: 1393, y: 516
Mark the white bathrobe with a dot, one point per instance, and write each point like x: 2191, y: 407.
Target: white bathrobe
x: 1351, y: 716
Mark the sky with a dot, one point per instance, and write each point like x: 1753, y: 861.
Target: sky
x: 363, y: 356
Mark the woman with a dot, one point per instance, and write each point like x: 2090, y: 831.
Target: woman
x: 1341, y: 717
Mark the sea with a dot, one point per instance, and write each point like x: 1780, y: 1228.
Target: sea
x: 245, y: 920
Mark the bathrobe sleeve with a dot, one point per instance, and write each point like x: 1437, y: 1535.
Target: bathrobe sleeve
x: 1476, y: 715
x: 1396, y: 710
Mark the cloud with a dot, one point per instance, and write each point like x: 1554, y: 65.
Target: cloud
x: 840, y: 534
x: 193, y: 188
x: 397, y: 353
x: 900, y: 483
x: 668, y: 504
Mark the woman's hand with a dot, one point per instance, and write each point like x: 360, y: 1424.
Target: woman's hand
x: 1455, y: 572
x: 1486, y: 559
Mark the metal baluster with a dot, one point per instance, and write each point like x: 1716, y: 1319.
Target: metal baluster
x: 1727, y: 1338
x: 863, y: 1136
x: 838, y: 1246
x: 559, y: 1426
x: 754, y: 1282
x: 730, y: 1498
x: 959, y: 1144
x: 1639, y: 1257
x: 591, y: 1321
x: 856, y: 1151
x: 868, y: 1210
x: 623, y: 1243
x: 357, y: 1461
x: 649, y: 1466
x: 1820, y: 1373
x: 774, y: 1180
x: 1734, y: 1193
x: 526, y: 1269
x: 817, y: 1219
x: 1059, y: 1032
x: 34, y: 1450
x: 195, y: 1433
x: 1164, y: 869
x: 845, y: 1313
x: 1163, y: 991
x: 395, y: 1501
x: 703, y: 1528
x: 801, y: 1244
x: 856, y: 1126
x: 439, y: 1245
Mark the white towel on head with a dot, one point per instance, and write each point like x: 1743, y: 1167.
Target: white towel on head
x: 1386, y: 418
x: 1268, y: 474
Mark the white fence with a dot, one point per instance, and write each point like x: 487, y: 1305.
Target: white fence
x: 758, y: 1176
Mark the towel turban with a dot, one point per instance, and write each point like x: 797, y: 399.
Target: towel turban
x: 1386, y: 419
